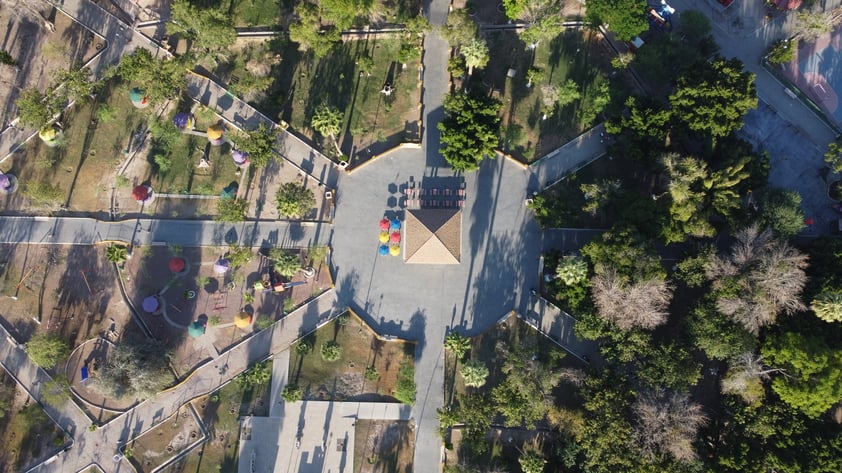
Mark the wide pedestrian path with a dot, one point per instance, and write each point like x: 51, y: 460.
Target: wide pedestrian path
x: 569, y: 158
x: 99, y: 447
x: 558, y: 325
x: 148, y: 231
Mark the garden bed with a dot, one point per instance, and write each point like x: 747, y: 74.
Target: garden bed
x: 350, y: 378
x: 168, y: 439
x: 28, y: 435
x: 581, y: 56
x: 220, y: 413
x: 372, y: 121
x: 504, y: 450
x: 383, y: 446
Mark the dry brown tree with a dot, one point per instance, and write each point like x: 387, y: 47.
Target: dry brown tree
x: 667, y: 425
x: 641, y: 304
x: 759, y: 279
x: 745, y: 378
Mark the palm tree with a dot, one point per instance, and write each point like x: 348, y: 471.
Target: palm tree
x: 457, y: 344
x: 474, y: 372
x: 327, y: 121
x: 116, y: 254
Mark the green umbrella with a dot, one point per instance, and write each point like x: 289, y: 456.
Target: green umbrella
x: 196, y: 329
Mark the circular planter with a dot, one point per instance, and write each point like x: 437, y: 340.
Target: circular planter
x: 834, y: 191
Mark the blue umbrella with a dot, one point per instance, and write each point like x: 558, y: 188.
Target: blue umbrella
x: 384, y: 250
x: 396, y: 224
x: 180, y: 120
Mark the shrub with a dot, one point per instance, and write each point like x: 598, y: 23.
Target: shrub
x: 231, y: 210
x: 286, y: 263
x: 47, y: 349
x: 263, y: 322
x: 292, y: 393
x: 331, y: 351
x: 303, y: 347
x: 293, y: 200
x: 371, y: 373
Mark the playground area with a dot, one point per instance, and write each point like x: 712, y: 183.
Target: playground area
x: 201, y: 301
x: 817, y: 72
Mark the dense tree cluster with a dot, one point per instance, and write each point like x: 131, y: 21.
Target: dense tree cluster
x: 469, y: 130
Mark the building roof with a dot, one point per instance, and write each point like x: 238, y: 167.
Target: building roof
x: 433, y: 236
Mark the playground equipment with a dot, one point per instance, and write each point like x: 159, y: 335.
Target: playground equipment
x: 270, y: 281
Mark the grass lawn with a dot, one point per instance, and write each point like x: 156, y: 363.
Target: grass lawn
x: 220, y: 413
x: 247, y: 12
x: 184, y: 176
x: 345, y: 378
x: 86, y: 161
x: 369, y: 116
x: 575, y: 55
x: 28, y: 435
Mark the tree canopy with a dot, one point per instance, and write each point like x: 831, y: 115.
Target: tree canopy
x: 259, y: 144
x: 626, y: 18
x: 208, y: 28
x: 469, y: 131
x: 47, y: 349
x: 160, y: 78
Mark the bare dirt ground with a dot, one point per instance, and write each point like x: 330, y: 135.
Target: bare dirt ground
x: 199, y: 293
x: 383, y: 447
x: 39, y: 52
x: 70, y: 290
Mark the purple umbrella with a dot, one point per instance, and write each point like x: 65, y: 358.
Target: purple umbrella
x: 239, y: 157
x: 221, y: 266
x: 180, y: 120
x: 4, y: 181
x: 151, y: 304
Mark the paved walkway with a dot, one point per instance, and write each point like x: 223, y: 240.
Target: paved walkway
x: 87, y: 231
x: 558, y: 326
x: 99, y: 446
x: 568, y: 159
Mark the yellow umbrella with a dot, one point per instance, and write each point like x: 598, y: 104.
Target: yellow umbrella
x: 214, y: 132
x: 242, y: 320
x: 395, y: 250
x: 384, y: 237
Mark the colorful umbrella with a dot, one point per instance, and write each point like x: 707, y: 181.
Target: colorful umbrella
x: 196, y: 329
x: 395, y: 250
x: 8, y: 183
x: 214, y: 132
x: 180, y: 120
x: 177, y: 265
x: 152, y: 304
x: 139, y: 98
x: 383, y: 250
x: 221, y: 266
x: 384, y: 224
x: 396, y: 224
x: 239, y: 157
x: 384, y: 237
x: 395, y: 237
x: 242, y: 320
x: 230, y: 191
x: 4, y: 181
x: 142, y: 194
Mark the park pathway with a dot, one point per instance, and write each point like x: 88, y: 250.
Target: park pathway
x: 88, y: 231
x: 569, y: 158
x: 558, y: 325
x: 101, y: 445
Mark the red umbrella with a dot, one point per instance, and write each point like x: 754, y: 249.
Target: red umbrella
x: 384, y: 224
x: 396, y: 237
x: 140, y: 193
x: 177, y: 265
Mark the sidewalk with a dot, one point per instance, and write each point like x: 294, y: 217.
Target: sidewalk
x: 568, y: 159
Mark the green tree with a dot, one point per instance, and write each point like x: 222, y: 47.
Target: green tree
x: 116, y: 254
x: 469, y: 130
x: 34, y: 109
x: 330, y: 351
x: 457, y: 344
x: 459, y: 28
x: 782, y: 51
x: 782, y: 212
x: 47, y: 349
x: 75, y: 83
x: 231, y: 210
x: 544, y: 29
x: 293, y: 200
x: 526, y: 393
x: 813, y: 371
x: 670, y: 366
x: 714, y: 97
x: 695, y: 25
x: 572, y: 270
x: 531, y: 462
x: 475, y: 52
x: 259, y: 144
x: 308, y: 33
x: 285, y: 262
x: 327, y: 121
x: 717, y: 335
x: 626, y: 18
x: 568, y: 93
x: 292, y: 393
x: 474, y: 373
x: 238, y: 256
x: 833, y: 156
x: 828, y: 306
x: 133, y: 369
x: 160, y: 78
x: 208, y: 28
